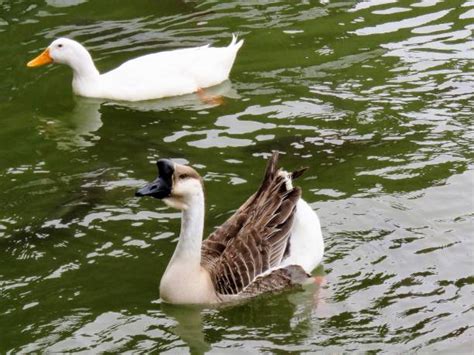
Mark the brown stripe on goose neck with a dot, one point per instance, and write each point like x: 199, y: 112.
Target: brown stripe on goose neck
x: 182, y: 172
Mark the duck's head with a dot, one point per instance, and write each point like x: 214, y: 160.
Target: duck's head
x: 62, y: 51
x: 176, y: 184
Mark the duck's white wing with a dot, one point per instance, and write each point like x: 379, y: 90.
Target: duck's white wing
x: 173, y: 73
x: 241, y: 254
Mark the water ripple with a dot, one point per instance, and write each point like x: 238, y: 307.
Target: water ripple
x: 376, y: 97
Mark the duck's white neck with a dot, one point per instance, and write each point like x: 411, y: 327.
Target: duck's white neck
x: 83, y: 65
x: 188, y: 249
x: 85, y: 74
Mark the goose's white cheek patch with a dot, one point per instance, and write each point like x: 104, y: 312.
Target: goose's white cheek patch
x: 183, y: 192
x: 175, y: 203
x: 186, y: 188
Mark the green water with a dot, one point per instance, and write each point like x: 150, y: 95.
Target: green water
x: 376, y: 97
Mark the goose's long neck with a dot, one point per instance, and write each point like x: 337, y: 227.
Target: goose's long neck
x: 192, y: 225
x: 185, y: 280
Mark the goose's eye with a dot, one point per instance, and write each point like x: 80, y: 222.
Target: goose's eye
x: 183, y: 176
x: 60, y: 46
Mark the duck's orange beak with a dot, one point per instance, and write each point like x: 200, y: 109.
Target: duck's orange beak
x: 42, y: 59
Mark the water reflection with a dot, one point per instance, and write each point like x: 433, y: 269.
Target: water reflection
x: 189, y: 326
x: 78, y: 128
x: 375, y: 96
x: 198, y: 328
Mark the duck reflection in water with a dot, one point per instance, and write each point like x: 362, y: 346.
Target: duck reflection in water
x: 77, y: 127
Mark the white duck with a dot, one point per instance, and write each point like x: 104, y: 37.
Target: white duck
x: 272, y: 242
x: 153, y: 76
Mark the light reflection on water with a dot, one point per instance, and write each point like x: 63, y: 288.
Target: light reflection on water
x: 375, y: 96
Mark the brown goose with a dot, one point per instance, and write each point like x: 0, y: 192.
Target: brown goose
x: 272, y: 242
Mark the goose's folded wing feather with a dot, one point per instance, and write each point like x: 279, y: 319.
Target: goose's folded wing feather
x: 216, y: 243
x: 255, y: 239
x: 259, y: 246
x: 276, y: 280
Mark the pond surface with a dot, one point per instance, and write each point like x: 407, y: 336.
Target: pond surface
x: 376, y: 97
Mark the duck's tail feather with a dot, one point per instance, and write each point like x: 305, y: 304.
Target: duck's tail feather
x: 234, y: 42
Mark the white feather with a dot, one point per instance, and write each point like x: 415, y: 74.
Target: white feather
x: 306, y: 241
x: 157, y: 75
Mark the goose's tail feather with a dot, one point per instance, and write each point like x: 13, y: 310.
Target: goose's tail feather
x: 273, y: 169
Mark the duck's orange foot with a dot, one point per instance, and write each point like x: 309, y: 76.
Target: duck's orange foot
x: 215, y: 100
x: 319, y: 280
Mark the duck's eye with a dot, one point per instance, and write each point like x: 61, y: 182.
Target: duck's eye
x: 183, y: 176
x: 60, y: 46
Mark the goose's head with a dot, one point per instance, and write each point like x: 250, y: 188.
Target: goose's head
x: 62, y: 51
x: 176, y: 184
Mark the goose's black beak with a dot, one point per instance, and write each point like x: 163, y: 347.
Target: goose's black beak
x: 161, y: 186
x: 158, y: 189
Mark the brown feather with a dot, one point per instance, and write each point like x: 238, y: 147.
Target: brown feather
x: 277, y: 280
x: 297, y: 173
x: 255, y: 238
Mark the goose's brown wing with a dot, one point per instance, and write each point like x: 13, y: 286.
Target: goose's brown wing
x: 215, y: 244
x: 255, y: 238
x: 277, y: 280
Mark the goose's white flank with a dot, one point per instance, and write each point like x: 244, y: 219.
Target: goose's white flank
x: 272, y: 242
x: 152, y: 76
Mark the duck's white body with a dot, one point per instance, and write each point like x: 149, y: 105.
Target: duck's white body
x: 152, y: 76
x: 273, y: 241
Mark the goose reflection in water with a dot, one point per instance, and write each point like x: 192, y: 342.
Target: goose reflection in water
x: 295, y: 317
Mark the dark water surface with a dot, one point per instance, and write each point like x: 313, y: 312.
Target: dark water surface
x: 375, y: 96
